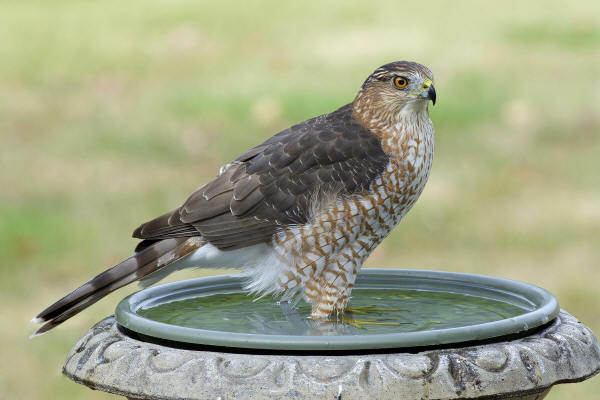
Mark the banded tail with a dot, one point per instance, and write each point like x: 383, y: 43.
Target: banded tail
x: 149, y: 259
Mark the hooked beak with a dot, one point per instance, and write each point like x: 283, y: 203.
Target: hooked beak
x: 428, y: 91
x: 431, y: 94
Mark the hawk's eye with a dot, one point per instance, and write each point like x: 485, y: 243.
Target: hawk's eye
x: 400, y: 82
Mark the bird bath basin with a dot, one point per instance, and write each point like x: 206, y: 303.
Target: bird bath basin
x: 412, y: 335
x: 394, y: 308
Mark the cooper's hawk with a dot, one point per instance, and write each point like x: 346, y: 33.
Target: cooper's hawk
x: 300, y: 213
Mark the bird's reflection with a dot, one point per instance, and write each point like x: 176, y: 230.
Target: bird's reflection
x: 296, y: 324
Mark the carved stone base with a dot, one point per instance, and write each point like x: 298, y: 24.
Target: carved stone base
x: 526, y: 368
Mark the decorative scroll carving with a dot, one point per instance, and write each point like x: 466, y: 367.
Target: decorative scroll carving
x: 108, y: 360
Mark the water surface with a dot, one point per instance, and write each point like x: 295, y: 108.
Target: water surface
x: 377, y: 311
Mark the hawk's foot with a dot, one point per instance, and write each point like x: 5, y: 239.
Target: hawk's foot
x: 348, y: 316
x: 361, y: 323
x: 364, y: 310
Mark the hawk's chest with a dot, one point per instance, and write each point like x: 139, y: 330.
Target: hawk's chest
x: 410, y: 146
x: 344, y: 230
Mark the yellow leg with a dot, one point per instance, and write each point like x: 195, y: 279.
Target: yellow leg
x: 347, y: 316
x: 362, y: 323
x: 363, y: 310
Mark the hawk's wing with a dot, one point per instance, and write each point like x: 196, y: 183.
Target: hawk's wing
x: 275, y: 183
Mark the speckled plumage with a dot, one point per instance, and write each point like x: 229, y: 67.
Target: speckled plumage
x: 301, y: 212
x: 325, y: 254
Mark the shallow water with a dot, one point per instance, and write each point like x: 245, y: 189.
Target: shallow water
x: 377, y: 311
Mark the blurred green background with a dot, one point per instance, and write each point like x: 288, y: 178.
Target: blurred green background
x: 112, y: 112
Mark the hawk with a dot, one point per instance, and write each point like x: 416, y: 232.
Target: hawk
x: 300, y: 213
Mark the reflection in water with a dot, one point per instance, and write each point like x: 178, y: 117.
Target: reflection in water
x: 373, y: 311
x: 295, y: 324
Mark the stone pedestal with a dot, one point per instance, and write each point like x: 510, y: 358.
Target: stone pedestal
x: 565, y: 351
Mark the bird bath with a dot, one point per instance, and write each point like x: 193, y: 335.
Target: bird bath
x: 412, y: 335
x: 395, y: 308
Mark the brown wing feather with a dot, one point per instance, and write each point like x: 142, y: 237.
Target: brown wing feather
x: 274, y: 183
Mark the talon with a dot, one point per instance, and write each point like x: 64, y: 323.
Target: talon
x: 368, y: 308
x: 385, y: 323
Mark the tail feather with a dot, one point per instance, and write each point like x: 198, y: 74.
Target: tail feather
x: 152, y: 258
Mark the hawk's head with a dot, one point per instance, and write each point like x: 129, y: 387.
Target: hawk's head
x: 395, y: 86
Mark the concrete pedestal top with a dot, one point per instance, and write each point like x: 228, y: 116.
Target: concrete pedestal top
x: 108, y: 359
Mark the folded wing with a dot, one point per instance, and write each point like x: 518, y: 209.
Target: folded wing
x: 275, y: 183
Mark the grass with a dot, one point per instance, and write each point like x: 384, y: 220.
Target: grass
x: 112, y: 112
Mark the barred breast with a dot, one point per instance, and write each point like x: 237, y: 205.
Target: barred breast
x: 322, y: 258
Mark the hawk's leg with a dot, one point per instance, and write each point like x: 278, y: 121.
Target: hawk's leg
x: 334, y: 291
x: 330, y: 303
x: 363, y: 310
x: 331, y: 293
